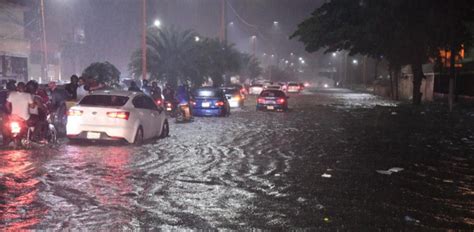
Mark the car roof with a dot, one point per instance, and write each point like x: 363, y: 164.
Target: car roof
x: 122, y: 93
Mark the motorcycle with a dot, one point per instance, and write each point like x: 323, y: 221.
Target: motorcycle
x: 183, y: 113
x: 170, y: 108
x: 21, y: 134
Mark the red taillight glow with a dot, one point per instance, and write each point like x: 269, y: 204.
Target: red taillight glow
x: 119, y: 115
x: 220, y: 103
x: 168, y: 105
x: 281, y: 101
x: 158, y: 102
x: 72, y: 112
x: 15, y: 127
x: 261, y: 100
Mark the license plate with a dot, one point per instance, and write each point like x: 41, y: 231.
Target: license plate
x: 168, y: 109
x: 206, y: 104
x: 93, y: 135
x: 270, y: 107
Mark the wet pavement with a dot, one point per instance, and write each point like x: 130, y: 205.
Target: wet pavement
x: 322, y: 165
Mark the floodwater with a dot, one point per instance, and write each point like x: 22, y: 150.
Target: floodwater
x: 314, y: 167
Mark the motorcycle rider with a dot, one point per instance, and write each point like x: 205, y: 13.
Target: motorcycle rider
x: 18, y: 104
x: 40, y: 110
x: 155, y: 91
x: 57, y: 104
x: 168, y: 93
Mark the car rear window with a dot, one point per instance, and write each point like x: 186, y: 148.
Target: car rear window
x: 257, y: 85
x: 206, y: 93
x: 103, y: 100
x: 272, y: 94
x: 231, y: 91
x: 293, y: 84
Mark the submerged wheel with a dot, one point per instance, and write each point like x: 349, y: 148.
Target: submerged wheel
x: 138, y: 136
x: 165, y: 131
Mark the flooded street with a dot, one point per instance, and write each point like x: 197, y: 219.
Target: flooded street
x: 318, y: 166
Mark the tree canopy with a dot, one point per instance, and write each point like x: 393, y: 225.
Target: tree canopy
x: 404, y: 32
x: 102, y: 72
x: 176, y: 56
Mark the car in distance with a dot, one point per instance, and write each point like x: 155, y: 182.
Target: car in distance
x: 256, y: 89
x: 234, y: 97
x: 293, y: 87
x: 272, y: 100
x: 116, y: 115
x: 274, y: 87
x: 210, y: 101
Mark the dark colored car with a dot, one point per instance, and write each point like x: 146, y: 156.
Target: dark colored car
x: 210, y: 102
x: 272, y: 100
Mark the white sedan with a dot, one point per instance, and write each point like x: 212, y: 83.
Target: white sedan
x: 256, y: 89
x: 116, y: 115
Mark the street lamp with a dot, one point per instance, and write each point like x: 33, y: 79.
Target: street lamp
x: 231, y: 23
x: 354, y: 61
x: 334, y: 54
x: 157, y: 23
x: 275, y: 23
x: 196, y: 38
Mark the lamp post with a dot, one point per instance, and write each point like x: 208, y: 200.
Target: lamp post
x: 44, y: 44
x: 144, y: 27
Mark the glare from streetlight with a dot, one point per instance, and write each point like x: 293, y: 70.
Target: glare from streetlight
x: 275, y: 23
x: 355, y: 61
x: 196, y: 38
x: 231, y: 23
x: 334, y: 54
x: 254, y: 37
x: 157, y: 23
x: 273, y: 55
x: 301, y: 58
x: 302, y: 61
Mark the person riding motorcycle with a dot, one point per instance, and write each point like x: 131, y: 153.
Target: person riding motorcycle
x: 57, y: 106
x: 40, y: 110
x: 18, y: 105
x: 184, y: 100
x: 169, y: 93
x: 155, y: 93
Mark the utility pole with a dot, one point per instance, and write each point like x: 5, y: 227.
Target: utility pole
x: 144, y: 66
x: 44, y: 72
x: 223, y: 30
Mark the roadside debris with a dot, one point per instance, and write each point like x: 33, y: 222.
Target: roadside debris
x: 390, y: 171
x: 325, y: 175
x: 411, y: 220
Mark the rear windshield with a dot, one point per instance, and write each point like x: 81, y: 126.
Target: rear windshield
x: 103, y: 100
x: 292, y: 84
x: 273, y: 87
x: 257, y: 85
x: 272, y: 94
x: 206, y: 93
x: 231, y: 91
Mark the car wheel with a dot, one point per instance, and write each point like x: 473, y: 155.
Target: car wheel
x: 165, y: 131
x: 138, y: 136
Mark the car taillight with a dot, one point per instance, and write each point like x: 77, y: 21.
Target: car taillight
x: 168, y: 105
x: 193, y: 103
x: 15, y: 127
x: 219, y: 103
x: 119, y: 115
x: 158, y: 102
x: 72, y: 112
x: 261, y: 100
x: 281, y: 101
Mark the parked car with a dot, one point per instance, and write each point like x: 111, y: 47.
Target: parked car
x: 293, y: 87
x: 256, y: 89
x: 210, y: 101
x: 234, y: 97
x: 116, y: 115
x: 272, y: 100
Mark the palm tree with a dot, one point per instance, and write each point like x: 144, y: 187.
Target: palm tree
x: 170, y: 56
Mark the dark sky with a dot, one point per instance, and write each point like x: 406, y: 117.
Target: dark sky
x: 112, y: 27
